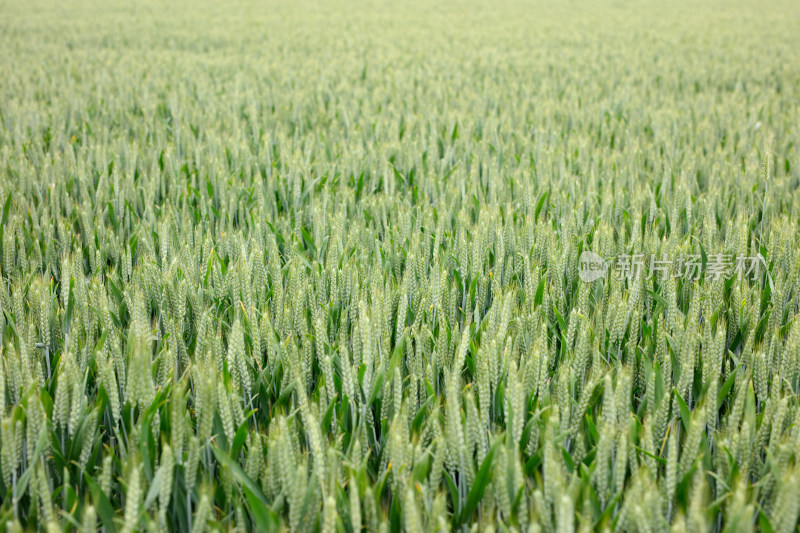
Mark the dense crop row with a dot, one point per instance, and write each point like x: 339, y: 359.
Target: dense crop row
x: 270, y: 268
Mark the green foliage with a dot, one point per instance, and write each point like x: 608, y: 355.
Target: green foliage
x: 271, y: 268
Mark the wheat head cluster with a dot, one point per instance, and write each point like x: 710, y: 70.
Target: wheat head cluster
x: 304, y: 267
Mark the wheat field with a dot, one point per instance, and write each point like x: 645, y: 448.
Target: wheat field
x: 363, y: 266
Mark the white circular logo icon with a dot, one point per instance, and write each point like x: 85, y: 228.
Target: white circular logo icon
x: 591, y: 266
